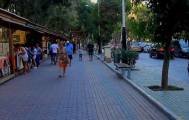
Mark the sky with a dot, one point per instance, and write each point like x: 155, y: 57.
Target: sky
x: 94, y: 1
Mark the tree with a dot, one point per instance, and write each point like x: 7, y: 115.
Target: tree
x: 140, y: 22
x: 4, y: 3
x: 59, y: 15
x: 110, y: 12
x: 110, y: 16
x: 62, y: 19
x: 87, y: 18
x: 171, y: 17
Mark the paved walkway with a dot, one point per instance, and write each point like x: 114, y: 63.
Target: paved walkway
x: 90, y: 91
x: 149, y: 73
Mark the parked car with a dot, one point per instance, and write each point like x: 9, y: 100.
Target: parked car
x: 181, y: 48
x: 135, y: 46
x: 158, y: 52
x: 147, y: 47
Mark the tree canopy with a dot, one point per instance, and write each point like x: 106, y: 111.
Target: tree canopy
x: 140, y: 22
x: 170, y: 17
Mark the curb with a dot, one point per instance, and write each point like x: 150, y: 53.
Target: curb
x: 6, y: 79
x: 11, y: 76
x: 160, y: 106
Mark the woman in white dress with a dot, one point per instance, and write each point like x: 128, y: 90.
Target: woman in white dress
x: 24, y: 55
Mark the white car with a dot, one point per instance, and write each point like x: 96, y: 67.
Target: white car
x: 147, y: 48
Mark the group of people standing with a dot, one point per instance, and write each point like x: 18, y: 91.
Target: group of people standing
x: 30, y: 56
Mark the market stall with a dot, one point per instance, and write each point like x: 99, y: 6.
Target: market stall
x: 14, y: 30
x: 4, y: 67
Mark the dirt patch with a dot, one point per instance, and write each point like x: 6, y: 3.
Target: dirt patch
x: 170, y: 88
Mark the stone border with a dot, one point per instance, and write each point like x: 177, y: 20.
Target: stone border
x: 6, y: 79
x: 11, y: 76
x: 161, y: 107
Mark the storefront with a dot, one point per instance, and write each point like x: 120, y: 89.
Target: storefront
x: 14, y: 30
x: 19, y: 37
x: 4, y: 52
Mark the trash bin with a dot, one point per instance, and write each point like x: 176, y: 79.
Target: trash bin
x: 107, y: 53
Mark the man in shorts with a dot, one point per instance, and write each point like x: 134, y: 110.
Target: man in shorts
x: 54, y: 50
x: 69, y: 50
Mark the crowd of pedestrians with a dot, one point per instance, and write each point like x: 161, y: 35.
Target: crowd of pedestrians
x: 30, y: 56
x: 61, y: 54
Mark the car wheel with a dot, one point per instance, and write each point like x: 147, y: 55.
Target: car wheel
x: 172, y: 56
x: 150, y: 55
x: 181, y: 54
x: 176, y: 54
x: 1, y: 74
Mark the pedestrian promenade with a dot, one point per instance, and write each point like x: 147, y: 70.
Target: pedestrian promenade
x: 148, y: 72
x: 89, y: 91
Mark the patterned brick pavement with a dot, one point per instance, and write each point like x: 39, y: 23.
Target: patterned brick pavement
x: 90, y: 91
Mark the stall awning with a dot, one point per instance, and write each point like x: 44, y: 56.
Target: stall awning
x: 14, y: 21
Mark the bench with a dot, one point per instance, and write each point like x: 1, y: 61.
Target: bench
x: 124, y: 67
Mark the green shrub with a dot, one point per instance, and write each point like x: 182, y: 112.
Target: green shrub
x: 129, y: 57
x: 117, y: 55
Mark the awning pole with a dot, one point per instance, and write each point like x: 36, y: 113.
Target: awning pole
x: 11, y: 50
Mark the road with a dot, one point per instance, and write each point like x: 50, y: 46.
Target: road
x: 177, y: 70
x: 149, y: 73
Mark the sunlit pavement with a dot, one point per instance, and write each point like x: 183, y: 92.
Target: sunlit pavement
x: 149, y: 73
x: 89, y: 91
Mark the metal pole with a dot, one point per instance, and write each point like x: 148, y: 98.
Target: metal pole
x: 124, y: 40
x: 99, y: 38
x: 11, y: 50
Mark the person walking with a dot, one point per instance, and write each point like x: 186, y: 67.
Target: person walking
x: 54, y: 51
x: 34, y: 50
x: 69, y: 50
x: 30, y: 57
x: 39, y: 55
x: 90, y: 48
x: 62, y: 59
x: 23, y: 52
x: 80, y: 51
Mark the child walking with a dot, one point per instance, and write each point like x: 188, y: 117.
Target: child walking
x: 62, y: 59
x: 80, y: 51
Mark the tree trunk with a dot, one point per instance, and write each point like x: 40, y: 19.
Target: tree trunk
x: 165, y: 69
x: 99, y: 45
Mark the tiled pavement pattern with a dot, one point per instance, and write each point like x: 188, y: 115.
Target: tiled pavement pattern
x: 90, y: 91
x: 149, y: 73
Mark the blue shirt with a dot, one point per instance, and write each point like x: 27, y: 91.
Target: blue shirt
x: 69, y: 49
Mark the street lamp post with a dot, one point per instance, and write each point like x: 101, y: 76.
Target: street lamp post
x: 99, y: 38
x: 124, y: 37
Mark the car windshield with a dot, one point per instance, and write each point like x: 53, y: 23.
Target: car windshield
x: 134, y: 44
x: 157, y: 45
x: 183, y: 44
